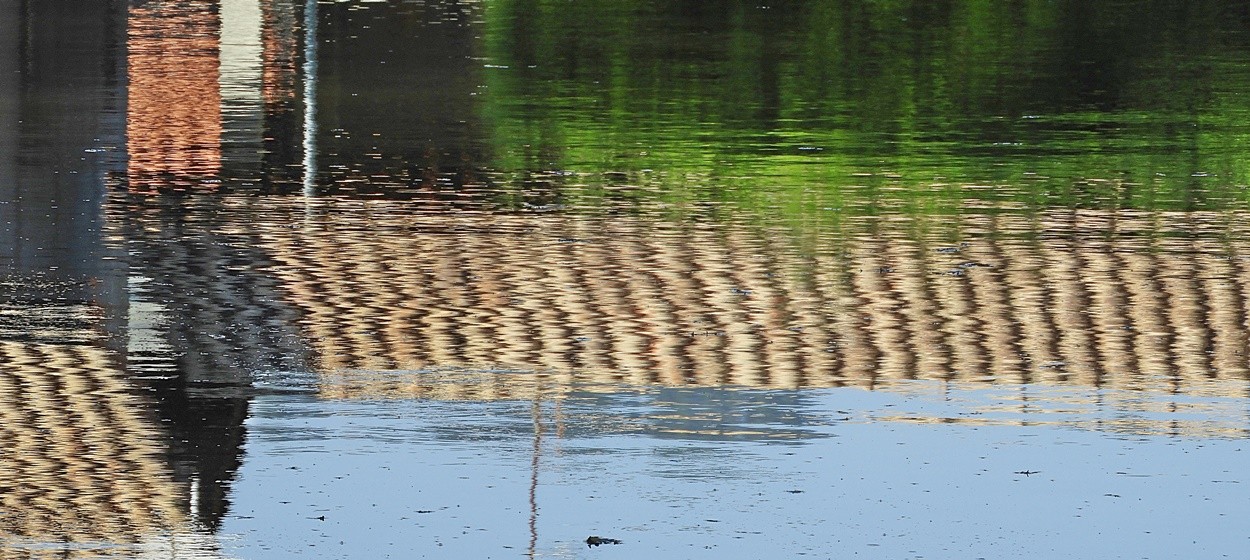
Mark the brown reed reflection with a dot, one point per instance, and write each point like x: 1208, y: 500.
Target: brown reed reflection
x: 1124, y: 300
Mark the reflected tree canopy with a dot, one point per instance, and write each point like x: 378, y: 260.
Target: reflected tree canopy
x: 863, y: 104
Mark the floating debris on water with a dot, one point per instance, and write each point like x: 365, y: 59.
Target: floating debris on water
x: 596, y: 541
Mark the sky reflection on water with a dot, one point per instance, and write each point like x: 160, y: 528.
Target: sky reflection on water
x: 363, y: 279
x: 515, y: 479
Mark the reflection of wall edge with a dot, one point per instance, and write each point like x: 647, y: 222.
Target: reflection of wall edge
x: 241, y: 83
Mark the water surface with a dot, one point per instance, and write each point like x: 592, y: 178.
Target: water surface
x: 483, y: 279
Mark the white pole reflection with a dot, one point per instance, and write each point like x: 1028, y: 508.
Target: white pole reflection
x: 310, y: 99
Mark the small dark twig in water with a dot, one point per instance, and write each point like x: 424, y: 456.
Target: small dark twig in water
x: 596, y: 541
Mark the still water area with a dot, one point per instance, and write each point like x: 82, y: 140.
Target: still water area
x: 525, y: 278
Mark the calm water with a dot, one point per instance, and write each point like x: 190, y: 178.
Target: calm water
x: 371, y: 279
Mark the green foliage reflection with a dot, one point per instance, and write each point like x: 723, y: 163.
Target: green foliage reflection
x: 912, y: 105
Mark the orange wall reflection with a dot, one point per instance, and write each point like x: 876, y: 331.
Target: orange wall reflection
x: 173, y: 119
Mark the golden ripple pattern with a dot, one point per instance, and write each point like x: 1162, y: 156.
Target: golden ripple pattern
x: 80, y: 462
x: 1098, y: 299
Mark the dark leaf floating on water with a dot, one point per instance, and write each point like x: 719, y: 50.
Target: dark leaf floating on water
x: 596, y: 541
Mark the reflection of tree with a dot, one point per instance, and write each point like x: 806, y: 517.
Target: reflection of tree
x: 808, y: 94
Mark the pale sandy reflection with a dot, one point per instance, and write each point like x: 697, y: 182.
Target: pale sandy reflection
x: 1120, y: 411
x: 1144, y: 302
x: 82, y: 462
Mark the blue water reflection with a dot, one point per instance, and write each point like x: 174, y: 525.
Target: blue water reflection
x: 432, y: 479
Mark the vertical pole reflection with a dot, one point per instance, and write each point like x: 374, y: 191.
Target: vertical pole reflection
x: 537, y: 414
x: 310, y: 97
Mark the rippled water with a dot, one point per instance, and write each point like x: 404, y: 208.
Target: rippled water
x: 483, y: 279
